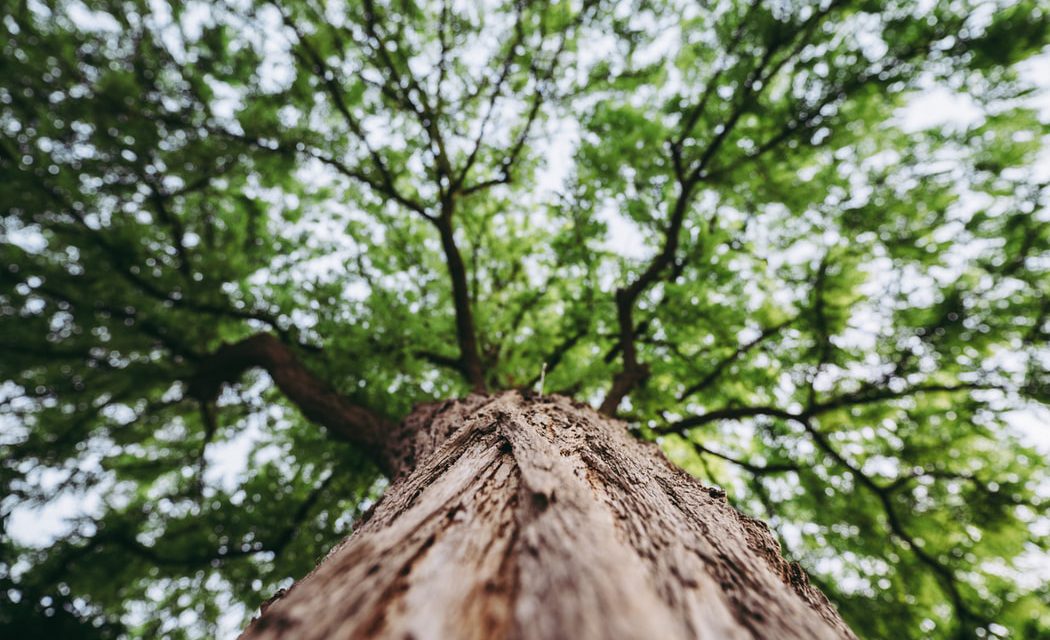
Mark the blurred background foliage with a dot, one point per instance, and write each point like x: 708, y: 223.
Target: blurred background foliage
x: 831, y: 216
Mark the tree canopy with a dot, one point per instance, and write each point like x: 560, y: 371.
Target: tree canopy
x: 713, y: 219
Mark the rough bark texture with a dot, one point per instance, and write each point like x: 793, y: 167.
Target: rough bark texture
x: 539, y: 518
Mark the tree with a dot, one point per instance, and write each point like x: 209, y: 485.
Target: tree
x: 284, y: 233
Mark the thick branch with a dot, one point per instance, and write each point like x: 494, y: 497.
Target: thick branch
x: 466, y: 334
x: 635, y: 372
x: 318, y: 401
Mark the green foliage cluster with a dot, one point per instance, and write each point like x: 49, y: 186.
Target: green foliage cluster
x: 838, y: 315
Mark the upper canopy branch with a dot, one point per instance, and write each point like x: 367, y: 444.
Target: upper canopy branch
x: 689, y: 173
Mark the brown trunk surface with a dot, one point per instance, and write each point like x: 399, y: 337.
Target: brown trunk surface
x: 539, y: 518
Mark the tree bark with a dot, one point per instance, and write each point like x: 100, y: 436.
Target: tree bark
x: 516, y: 517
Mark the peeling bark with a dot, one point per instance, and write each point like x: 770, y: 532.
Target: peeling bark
x: 539, y: 518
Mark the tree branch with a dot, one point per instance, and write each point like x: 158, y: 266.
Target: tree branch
x: 755, y: 469
x: 634, y: 372
x: 466, y: 334
x: 688, y: 175
x: 317, y: 401
x: 741, y: 351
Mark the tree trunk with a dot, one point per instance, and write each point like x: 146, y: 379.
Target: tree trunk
x: 539, y: 518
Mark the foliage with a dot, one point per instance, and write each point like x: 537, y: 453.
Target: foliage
x: 714, y: 218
